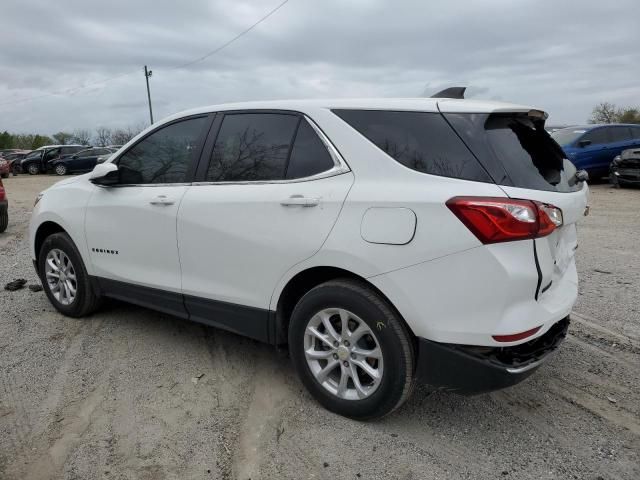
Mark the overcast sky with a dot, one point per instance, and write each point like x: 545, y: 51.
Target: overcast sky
x: 562, y: 56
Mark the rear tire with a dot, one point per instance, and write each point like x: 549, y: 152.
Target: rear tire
x: 378, y: 364
x: 4, y: 220
x: 33, y: 169
x: 64, y: 277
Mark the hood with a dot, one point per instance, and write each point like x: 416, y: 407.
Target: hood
x: 629, y: 158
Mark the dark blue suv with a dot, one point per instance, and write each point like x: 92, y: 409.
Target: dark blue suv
x: 593, y: 147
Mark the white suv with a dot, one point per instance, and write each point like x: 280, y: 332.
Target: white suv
x: 385, y: 241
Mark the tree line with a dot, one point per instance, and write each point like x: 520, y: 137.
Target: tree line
x: 606, y: 112
x: 100, y: 137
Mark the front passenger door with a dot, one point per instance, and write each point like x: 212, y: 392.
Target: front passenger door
x: 131, y: 227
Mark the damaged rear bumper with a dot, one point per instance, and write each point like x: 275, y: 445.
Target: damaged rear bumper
x: 470, y: 370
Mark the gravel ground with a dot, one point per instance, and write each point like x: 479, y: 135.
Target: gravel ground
x: 133, y: 394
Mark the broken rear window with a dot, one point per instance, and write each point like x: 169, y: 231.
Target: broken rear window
x: 516, y: 150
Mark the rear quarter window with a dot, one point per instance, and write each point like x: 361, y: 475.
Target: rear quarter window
x: 421, y: 141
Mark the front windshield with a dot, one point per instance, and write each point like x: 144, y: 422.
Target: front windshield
x: 567, y: 135
x: 34, y: 154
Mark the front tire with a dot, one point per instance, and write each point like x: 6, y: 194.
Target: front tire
x: 33, y: 169
x: 61, y: 169
x: 64, y: 277
x: 351, y: 350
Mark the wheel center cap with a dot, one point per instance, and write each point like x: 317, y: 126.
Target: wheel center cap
x: 343, y: 352
x: 63, y: 277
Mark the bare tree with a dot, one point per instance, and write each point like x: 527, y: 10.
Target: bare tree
x: 63, y: 138
x: 121, y: 136
x: 82, y: 136
x: 103, y: 136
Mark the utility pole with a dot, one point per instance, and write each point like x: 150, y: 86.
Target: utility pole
x: 147, y: 74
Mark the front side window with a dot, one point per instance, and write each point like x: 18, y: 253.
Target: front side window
x: 421, y: 141
x: 85, y: 153
x: 164, y: 156
x: 597, y: 136
x: 252, y: 147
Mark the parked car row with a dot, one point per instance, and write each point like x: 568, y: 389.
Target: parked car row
x: 594, y: 147
x: 59, y: 159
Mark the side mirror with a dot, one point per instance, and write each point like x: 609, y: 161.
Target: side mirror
x: 584, y: 143
x: 105, y: 174
x: 582, y: 175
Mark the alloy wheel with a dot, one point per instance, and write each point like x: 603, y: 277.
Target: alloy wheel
x: 61, y: 169
x: 61, y: 276
x: 343, y: 354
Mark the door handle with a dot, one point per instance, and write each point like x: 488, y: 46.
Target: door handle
x: 300, y: 201
x: 161, y: 200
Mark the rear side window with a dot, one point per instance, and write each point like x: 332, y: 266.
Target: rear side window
x: 163, y: 156
x: 422, y: 141
x: 517, y: 150
x: 266, y: 147
x: 252, y: 147
x: 620, y: 134
x: 635, y: 132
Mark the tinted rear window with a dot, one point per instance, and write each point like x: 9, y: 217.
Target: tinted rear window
x: 516, y: 151
x: 422, y: 141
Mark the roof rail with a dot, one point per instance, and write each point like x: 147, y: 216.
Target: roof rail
x: 451, y: 92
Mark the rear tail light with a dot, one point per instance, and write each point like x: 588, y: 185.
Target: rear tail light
x: 495, y: 219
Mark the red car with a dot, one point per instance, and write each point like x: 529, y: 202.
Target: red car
x: 5, y: 167
x: 4, y: 208
x: 8, y: 158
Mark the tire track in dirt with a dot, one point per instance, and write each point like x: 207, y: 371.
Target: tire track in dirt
x: 263, y: 415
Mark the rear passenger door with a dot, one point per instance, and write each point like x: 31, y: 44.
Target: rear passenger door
x: 269, y: 189
x: 621, y: 139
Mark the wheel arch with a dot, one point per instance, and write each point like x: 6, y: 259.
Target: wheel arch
x: 44, y: 230
x: 305, y: 280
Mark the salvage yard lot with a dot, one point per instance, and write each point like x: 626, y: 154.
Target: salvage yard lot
x: 130, y: 393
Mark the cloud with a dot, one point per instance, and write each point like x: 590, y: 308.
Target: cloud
x: 563, y: 57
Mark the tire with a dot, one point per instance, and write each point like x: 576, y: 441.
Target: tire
x: 85, y: 300
x: 5, y: 175
x: 15, y: 168
x: 4, y: 219
x: 33, y: 169
x: 388, y: 335
x: 60, y: 169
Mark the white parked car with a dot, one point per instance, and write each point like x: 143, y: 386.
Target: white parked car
x: 386, y: 241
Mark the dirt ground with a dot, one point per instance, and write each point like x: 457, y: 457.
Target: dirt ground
x: 133, y: 394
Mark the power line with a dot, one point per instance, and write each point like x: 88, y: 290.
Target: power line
x: 74, y: 90
x: 229, y: 42
x: 68, y: 91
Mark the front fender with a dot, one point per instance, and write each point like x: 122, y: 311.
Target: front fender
x: 65, y: 205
